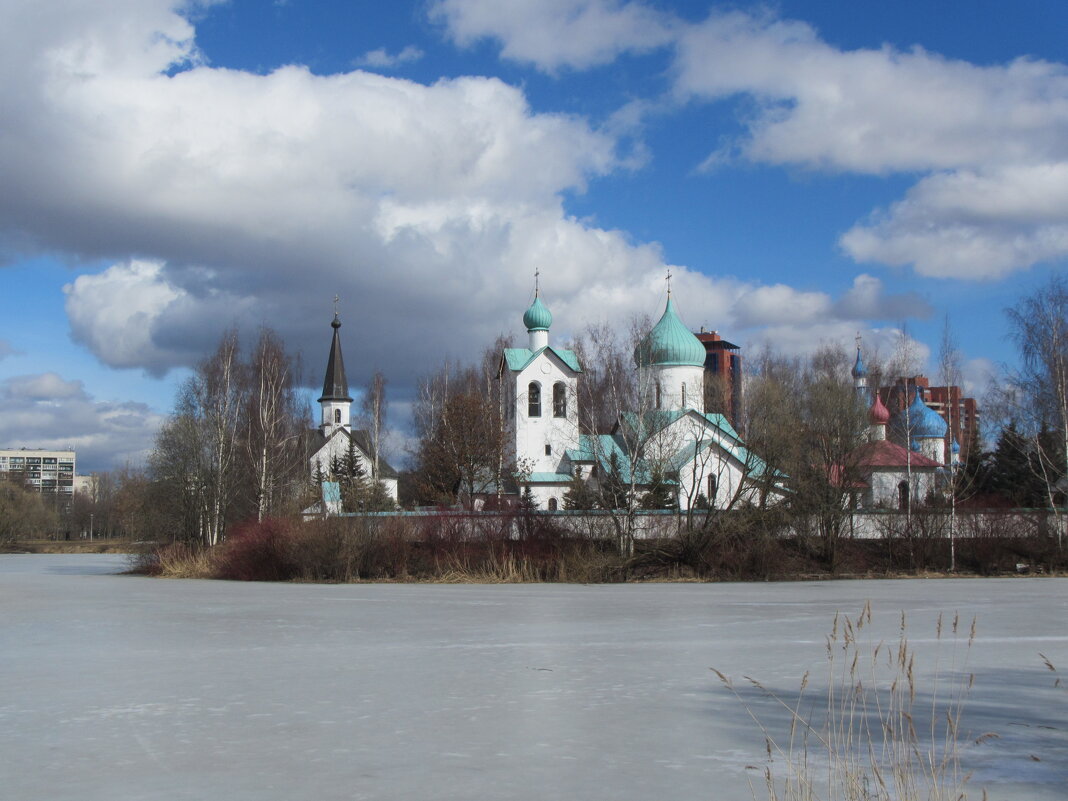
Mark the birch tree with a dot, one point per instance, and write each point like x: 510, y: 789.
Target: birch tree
x: 374, y: 407
x: 274, y: 424
x: 1039, y: 325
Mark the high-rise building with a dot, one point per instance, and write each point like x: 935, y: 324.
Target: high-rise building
x: 960, y: 413
x: 723, y: 375
x: 48, y: 472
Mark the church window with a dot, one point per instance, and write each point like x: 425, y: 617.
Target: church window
x: 548, y: 450
x: 534, y: 399
x: 683, y: 394
x: 559, y: 399
x: 658, y: 394
x: 711, y: 494
x: 337, y: 415
x: 903, y: 495
x: 553, y: 506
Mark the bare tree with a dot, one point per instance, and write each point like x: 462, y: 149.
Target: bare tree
x: 1040, y: 328
x: 949, y: 358
x: 374, y: 407
x: 274, y: 423
x: 461, y: 440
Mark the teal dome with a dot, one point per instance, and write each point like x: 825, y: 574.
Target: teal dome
x: 538, y: 317
x: 670, y: 343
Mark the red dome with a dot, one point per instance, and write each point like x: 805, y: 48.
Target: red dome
x: 879, y: 415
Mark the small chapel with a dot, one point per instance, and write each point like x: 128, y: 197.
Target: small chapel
x: 331, y: 441
x: 903, y: 467
x: 669, y: 442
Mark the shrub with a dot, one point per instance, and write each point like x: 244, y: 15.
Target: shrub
x: 258, y: 551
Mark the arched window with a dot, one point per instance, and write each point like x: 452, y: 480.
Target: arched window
x: 534, y: 399
x: 903, y: 495
x: 553, y: 506
x: 337, y: 415
x: 711, y: 494
x: 658, y: 393
x: 683, y: 394
x: 559, y: 399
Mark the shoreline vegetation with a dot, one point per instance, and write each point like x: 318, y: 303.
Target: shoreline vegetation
x: 344, y: 550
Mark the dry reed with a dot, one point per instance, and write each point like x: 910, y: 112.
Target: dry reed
x: 879, y: 735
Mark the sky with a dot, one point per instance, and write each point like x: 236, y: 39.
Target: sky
x: 806, y: 170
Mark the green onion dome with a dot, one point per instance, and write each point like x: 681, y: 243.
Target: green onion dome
x: 538, y: 317
x: 670, y: 343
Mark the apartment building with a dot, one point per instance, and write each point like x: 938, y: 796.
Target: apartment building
x: 49, y: 472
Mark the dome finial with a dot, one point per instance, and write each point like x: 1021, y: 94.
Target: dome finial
x: 337, y: 320
x: 537, y: 275
x: 668, y: 279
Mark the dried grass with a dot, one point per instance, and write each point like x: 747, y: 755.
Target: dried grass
x: 878, y: 735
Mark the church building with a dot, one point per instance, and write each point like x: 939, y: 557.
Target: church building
x: 330, y: 441
x: 669, y: 443
x: 901, y: 474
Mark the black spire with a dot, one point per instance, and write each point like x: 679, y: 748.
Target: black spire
x: 335, y: 386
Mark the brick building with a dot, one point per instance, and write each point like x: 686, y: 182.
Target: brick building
x: 723, y: 375
x: 960, y: 413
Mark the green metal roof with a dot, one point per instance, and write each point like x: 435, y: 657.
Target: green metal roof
x: 518, y: 358
x: 538, y: 317
x: 670, y: 343
x: 547, y: 478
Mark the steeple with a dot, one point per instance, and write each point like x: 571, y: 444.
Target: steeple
x: 335, y: 401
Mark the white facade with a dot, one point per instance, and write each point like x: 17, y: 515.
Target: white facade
x: 336, y: 447
x: 692, y: 453
x: 334, y: 416
x: 46, y: 471
x: 542, y: 409
x: 335, y: 426
x: 672, y: 387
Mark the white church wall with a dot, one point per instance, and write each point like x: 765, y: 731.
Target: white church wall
x: 532, y: 434
x: 884, y: 486
x: 681, y: 387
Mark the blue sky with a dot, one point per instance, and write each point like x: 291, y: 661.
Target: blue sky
x: 808, y: 170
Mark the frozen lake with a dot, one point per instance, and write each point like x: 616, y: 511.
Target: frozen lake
x: 120, y: 687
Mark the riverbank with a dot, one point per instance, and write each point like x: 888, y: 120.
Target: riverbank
x: 71, y: 546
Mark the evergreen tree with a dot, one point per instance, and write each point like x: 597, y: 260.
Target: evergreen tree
x: 579, y: 495
x: 352, y: 477
x: 974, y: 477
x: 1011, y: 474
x: 661, y: 493
x: 614, y: 490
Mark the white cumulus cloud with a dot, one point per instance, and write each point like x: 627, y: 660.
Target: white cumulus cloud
x: 46, y: 410
x: 552, y: 34
x: 380, y: 58
x: 992, y: 140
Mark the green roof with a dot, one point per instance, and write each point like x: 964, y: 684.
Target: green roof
x: 518, y: 358
x: 670, y: 343
x: 546, y: 478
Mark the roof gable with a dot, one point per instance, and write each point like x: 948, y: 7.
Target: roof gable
x: 517, y: 359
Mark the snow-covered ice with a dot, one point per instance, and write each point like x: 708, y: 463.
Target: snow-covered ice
x: 121, y: 687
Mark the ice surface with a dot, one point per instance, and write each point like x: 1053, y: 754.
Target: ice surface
x: 121, y: 687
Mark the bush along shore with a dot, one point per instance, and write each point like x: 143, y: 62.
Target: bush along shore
x: 501, y: 549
